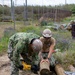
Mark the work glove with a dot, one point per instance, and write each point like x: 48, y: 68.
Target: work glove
x: 21, y: 67
x: 24, y: 65
x: 34, y: 69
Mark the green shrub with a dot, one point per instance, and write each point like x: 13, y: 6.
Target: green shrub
x: 65, y: 58
x: 62, y: 44
x: 63, y: 40
x: 43, y: 23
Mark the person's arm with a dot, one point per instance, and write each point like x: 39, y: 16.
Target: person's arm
x: 10, y: 50
x: 11, y: 47
x: 40, y: 55
x: 16, y: 54
x: 51, y: 49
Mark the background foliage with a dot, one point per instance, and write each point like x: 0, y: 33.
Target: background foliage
x: 64, y: 40
x: 33, y: 11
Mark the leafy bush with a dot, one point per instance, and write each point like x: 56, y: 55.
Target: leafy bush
x: 43, y: 23
x: 63, y: 40
x: 73, y: 10
x: 62, y: 44
x: 66, y: 44
x: 65, y: 58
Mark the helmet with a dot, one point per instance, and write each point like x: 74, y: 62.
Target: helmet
x: 47, y: 33
x: 37, y: 45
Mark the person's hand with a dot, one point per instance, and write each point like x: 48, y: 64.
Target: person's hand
x: 24, y: 65
x: 47, y: 60
x: 44, y: 60
x: 21, y: 67
x: 34, y: 68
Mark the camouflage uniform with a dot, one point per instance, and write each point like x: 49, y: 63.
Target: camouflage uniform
x: 46, y: 46
x: 19, y: 46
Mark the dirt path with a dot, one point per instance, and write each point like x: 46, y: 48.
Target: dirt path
x: 5, y: 66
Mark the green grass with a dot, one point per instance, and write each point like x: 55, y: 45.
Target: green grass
x: 66, y: 44
x: 23, y: 28
x: 68, y: 19
x: 34, y: 29
x: 3, y: 44
x: 66, y: 58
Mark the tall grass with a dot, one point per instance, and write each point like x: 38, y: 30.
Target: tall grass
x: 66, y: 44
x: 63, y: 39
x: 65, y: 58
x: 4, y: 39
x: 34, y: 29
x: 3, y: 44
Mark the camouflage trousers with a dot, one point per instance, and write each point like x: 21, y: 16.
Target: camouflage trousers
x: 14, y: 69
x: 52, y: 59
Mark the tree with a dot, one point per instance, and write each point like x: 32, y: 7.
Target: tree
x: 73, y: 10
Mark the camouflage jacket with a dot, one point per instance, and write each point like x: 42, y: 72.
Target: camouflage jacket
x: 20, y: 44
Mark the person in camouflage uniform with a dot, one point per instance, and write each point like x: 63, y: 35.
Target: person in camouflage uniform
x: 48, y: 47
x: 26, y: 46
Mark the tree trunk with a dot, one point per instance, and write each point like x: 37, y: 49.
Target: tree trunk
x: 72, y: 68
x: 44, y: 68
x: 59, y: 70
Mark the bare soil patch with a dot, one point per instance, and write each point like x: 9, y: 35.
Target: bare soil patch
x: 5, y: 67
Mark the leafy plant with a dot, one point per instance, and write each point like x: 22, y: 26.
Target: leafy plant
x: 65, y: 58
x: 62, y: 40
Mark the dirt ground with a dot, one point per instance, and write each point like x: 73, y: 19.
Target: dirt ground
x: 5, y: 67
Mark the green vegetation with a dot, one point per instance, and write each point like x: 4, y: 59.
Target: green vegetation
x: 63, y: 39
x: 68, y: 19
x: 31, y: 28
x: 64, y: 42
x: 19, y: 11
x: 3, y: 44
x: 66, y: 58
x: 8, y: 33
